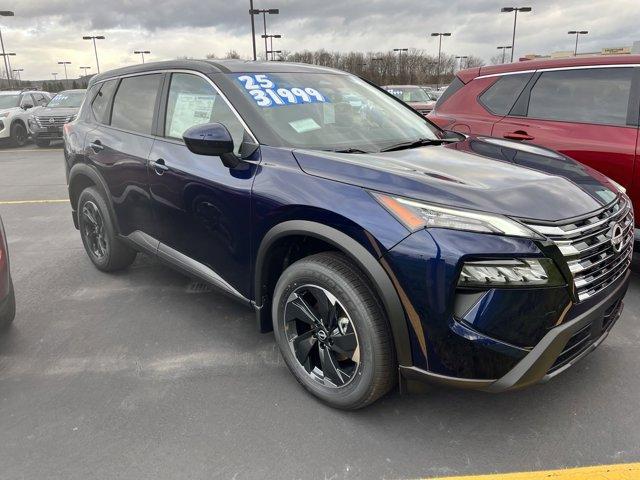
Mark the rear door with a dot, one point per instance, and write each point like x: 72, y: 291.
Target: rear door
x: 585, y: 113
x: 202, y: 207
x: 120, y: 144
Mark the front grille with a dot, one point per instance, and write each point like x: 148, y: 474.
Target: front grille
x: 53, y: 120
x: 588, y: 246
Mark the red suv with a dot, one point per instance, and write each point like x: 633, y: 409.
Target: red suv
x: 586, y: 108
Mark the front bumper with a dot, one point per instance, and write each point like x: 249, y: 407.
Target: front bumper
x: 552, y: 355
x: 48, y: 133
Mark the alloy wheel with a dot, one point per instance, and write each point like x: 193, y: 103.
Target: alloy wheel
x: 93, y: 229
x: 322, y: 336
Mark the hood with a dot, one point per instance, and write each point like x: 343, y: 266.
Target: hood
x: 485, y: 174
x: 57, y: 112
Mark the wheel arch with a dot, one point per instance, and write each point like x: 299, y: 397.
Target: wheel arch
x: 82, y: 176
x: 355, y: 251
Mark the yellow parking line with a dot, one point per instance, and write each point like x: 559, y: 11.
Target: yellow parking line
x: 625, y: 471
x: 26, y: 202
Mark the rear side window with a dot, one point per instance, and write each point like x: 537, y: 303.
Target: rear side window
x: 100, y: 104
x: 500, y: 97
x: 456, y: 85
x: 598, y: 95
x: 134, y: 103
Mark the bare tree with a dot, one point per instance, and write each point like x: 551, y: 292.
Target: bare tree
x: 232, y: 54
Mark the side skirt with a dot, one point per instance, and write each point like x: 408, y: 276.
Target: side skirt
x: 181, y: 262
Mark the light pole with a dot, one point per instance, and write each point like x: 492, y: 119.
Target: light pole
x: 460, y: 58
x: 400, y: 50
x: 515, y: 19
x: 65, y: 68
x: 6, y: 13
x: 271, y: 37
x: 55, y: 76
x: 95, y: 49
x: 142, y: 53
x: 577, y: 33
x: 6, y: 56
x: 17, y: 72
x: 272, y: 53
x: 439, y: 35
x: 85, y: 70
x: 264, y: 11
x: 504, y: 48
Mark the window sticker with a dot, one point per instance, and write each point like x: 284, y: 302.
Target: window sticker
x: 190, y: 109
x: 305, y: 125
x: 266, y: 93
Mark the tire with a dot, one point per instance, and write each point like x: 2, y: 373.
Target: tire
x: 358, y: 380
x: 43, y: 143
x: 8, y: 310
x: 19, y: 134
x: 107, y: 252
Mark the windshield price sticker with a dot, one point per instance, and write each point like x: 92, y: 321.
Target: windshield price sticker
x: 267, y: 94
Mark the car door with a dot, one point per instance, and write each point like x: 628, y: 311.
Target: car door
x: 202, y: 207
x: 584, y: 113
x: 119, y: 147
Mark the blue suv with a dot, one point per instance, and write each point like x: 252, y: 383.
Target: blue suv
x: 378, y: 248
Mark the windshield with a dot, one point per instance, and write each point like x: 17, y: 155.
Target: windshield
x: 9, y: 101
x: 67, y: 100
x: 409, y: 94
x: 331, y: 111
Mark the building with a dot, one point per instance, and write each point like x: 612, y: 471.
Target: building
x: 626, y: 50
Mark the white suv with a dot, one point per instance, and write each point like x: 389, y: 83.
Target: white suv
x: 15, y: 108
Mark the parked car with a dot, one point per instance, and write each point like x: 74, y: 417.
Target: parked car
x: 15, y: 108
x: 414, y: 96
x: 7, y: 296
x: 374, y: 244
x: 46, y: 123
x: 586, y: 108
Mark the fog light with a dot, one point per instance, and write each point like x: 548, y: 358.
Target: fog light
x: 532, y: 272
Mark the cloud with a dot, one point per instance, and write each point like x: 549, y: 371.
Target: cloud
x: 43, y: 32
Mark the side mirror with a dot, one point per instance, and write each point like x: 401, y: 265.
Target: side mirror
x: 212, y: 139
x: 27, y: 106
x: 453, y: 135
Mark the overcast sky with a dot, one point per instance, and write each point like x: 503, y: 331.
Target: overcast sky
x: 44, y: 32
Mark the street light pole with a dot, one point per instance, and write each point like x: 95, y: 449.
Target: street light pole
x: 65, y: 63
x: 515, y: 20
x: 253, y: 30
x: 85, y: 70
x: 460, y: 58
x: 504, y: 49
x: 439, y: 35
x: 55, y: 76
x: 142, y: 52
x: 264, y: 12
x: 577, y: 33
x: 400, y: 50
x: 271, y: 37
x: 95, y: 49
x: 17, y: 71
x: 6, y: 13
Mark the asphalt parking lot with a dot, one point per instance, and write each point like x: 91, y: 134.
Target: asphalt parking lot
x: 144, y: 374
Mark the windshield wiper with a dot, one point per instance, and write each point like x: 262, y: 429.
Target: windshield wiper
x: 350, y: 150
x: 418, y: 143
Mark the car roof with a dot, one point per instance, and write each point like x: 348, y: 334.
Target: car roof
x: 526, y: 65
x: 217, y: 66
x: 79, y: 90
x: 12, y: 92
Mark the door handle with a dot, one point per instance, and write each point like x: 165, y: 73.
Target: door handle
x: 518, y: 135
x: 96, y: 146
x: 158, y: 166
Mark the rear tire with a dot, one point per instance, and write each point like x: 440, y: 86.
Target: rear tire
x: 43, y: 143
x: 347, y: 373
x: 107, y: 252
x: 19, y: 134
x: 8, y: 311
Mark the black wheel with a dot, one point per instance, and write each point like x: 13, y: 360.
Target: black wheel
x: 8, y: 310
x: 107, y: 252
x: 332, y: 331
x: 43, y: 143
x: 19, y: 134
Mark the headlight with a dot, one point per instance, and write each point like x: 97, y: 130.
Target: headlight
x: 4, y: 114
x: 620, y: 188
x: 533, y: 272
x: 416, y: 215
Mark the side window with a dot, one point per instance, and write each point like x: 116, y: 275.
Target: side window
x: 134, y: 103
x: 193, y: 101
x: 38, y: 99
x: 598, y: 95
x: 500, y: 97
x: 456, y: 85
x: 100, y: 104
x: 27, y: 100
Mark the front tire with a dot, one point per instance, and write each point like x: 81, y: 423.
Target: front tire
x: 107, y: 252
x: 19, y: 134
x: 332, y: 331
x: 8, y: 311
